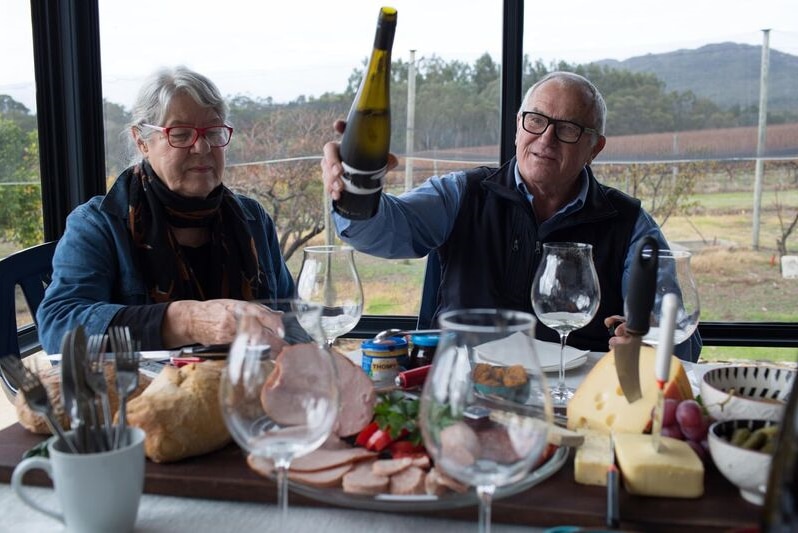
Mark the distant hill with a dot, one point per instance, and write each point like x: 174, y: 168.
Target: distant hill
x: 726, y: 73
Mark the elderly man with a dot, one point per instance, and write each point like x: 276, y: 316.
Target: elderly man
x: 488, y: 225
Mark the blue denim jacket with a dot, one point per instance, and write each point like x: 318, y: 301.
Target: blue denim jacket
x: 95, y: 274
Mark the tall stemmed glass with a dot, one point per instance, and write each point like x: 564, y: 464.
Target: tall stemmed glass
x: 481, y: 431
x: 328, y: 277
x: 675, y: 275
x: 279, y: 391
x: 565, y: 297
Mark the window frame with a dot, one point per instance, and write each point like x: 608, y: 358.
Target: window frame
x: 66, y: 40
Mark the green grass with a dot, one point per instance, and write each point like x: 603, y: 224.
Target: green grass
x: 740, y: 353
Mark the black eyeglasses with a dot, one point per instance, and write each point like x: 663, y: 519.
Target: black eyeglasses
x: 186, y: 136
x: 565, y: 130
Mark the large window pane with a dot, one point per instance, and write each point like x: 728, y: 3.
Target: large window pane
x: 682, y: 127
x: 20, y: 186
x: 290, y: 71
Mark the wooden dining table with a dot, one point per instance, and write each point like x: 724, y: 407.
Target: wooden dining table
x: 224, y: 476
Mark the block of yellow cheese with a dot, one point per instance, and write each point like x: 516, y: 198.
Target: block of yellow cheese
x: 599, y: 402
x: 593, y: 458
x: 673, y: 472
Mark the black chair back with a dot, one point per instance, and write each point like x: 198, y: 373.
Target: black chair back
x: 31, y: 269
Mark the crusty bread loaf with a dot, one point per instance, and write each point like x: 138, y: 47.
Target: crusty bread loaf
x: 180, y: 412
x: 51, y: 378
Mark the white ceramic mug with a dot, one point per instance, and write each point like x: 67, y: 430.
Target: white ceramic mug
x: 98, y: 492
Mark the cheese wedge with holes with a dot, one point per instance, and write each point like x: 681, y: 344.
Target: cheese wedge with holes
x: 673, y: 472
x: 593, y: 458
x: 599, y: 402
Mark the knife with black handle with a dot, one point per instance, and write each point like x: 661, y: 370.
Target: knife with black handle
x: 639, y: 302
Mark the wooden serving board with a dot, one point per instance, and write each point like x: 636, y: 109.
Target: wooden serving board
x: 223, y: 475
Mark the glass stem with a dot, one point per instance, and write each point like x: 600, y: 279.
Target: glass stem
x: 561, y: 374
x: 281, y: 466
x: 485, y: 493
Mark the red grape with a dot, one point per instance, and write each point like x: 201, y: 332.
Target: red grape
x: 672, y: 431
x: 669, y: 412
x: 691, y: 420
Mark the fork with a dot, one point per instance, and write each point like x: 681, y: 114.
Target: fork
x: 95, y: 379
x: 126, y: 358
x: 35, y: 395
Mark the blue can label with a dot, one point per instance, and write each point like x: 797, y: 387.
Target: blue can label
x: 382, y: 362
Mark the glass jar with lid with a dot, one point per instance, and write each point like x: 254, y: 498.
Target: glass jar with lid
x: 423, y: 350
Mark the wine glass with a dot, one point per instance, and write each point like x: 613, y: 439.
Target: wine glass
x: 675, y: 275
x: 328, y: 277
x: 279, y: 391
x: 565, y: 297
x: 485, y: 409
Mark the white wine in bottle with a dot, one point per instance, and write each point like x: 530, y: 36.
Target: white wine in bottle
x: 780, y: 513
x: 367, y: 138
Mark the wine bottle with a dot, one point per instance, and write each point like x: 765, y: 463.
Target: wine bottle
x: 367, y: 138
x: 780, y: 513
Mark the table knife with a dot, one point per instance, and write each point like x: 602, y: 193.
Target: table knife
x: 639, y: 302
x: 662, y: 366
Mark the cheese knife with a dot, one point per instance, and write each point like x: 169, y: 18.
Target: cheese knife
x: 662, y: 366
x: 639, y: 301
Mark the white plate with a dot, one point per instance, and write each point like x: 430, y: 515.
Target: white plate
x: 505, y: 352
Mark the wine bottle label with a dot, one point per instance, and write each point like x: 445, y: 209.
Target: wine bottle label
x: 363, y: 181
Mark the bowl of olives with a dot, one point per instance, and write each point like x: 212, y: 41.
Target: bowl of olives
x: 742, y: 450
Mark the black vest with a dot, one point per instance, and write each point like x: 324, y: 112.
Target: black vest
x: 492, y: 253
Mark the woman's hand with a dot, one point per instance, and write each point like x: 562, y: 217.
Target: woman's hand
x: 212, y: 322
x: 331, y: 168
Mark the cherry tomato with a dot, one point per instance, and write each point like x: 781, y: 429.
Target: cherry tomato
x: 405, y: 448
x: 363, y: 437
x: 379, y: 440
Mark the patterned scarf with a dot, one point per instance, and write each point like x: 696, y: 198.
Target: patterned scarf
x: 153, y: 208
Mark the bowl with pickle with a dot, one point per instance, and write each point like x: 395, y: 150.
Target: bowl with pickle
x: 742, y: 450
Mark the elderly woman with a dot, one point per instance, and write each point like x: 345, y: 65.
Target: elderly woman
x: 169, y: 251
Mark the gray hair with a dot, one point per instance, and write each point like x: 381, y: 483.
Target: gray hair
x: 591, y: 94
x: 158, y: 90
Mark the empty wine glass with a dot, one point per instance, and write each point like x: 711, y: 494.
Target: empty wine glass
x: 328, y: 277
x: 279, y: 392
x: 675, y: 275
x: 485, y: 408
x: 565, y: 297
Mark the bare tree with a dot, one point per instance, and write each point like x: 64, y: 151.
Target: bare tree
x: 786, y: 228
x: 290, y: 188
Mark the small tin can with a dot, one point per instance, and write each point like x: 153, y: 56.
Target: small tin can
x: 423, y: 350
x: 383, y: 360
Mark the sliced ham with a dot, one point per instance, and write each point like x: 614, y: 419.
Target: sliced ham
x: 362, y: 480
x: 495, y: 445
x: 323, y: 458
x: 325, y: 479
x: 357, y: 397
x: 460, y: 444
x: 438, y: 482
x: 408, y: 481
x: 422, y: 461
x: 389, y: 467
x: 295, y: 370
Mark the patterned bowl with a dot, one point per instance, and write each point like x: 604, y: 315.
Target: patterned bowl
x: 747, y: 469
x: 746, y: 392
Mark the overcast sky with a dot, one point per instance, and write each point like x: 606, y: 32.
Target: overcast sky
x: 266, y: 49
